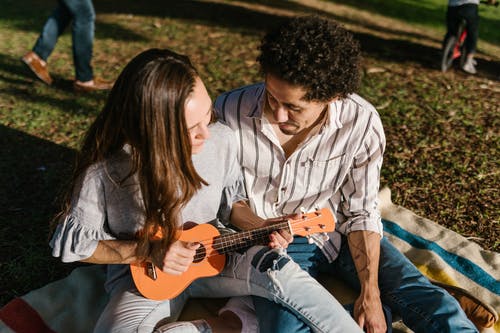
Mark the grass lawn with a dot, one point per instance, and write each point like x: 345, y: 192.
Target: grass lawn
x: 442, y: 158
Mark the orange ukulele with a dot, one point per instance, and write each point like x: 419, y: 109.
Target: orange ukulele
x: 210, y: 257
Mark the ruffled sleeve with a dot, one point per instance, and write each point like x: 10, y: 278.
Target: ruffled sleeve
x: 78, y: 233
x: 73, y: 241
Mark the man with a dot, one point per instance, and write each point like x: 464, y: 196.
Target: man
x: 305, y: 140
x: 82, y: 13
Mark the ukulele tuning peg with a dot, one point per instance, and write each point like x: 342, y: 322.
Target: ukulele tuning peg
x: 310, y: 240
x: 325, y: 236
x: 316, y: 207
x: 302, y: 210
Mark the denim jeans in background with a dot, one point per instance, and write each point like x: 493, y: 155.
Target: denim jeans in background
x: 423, y: 306
x: 82, y: 14
x: 258, y: 271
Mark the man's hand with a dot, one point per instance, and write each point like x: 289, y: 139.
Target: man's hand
x: 368, y: 313
x: 281, y: 238
x: 179, y: 257
x: 243, y: 218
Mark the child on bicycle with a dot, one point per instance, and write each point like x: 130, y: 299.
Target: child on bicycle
x: 468, y: 10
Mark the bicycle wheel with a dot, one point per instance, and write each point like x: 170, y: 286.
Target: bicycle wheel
x: 447, y: 57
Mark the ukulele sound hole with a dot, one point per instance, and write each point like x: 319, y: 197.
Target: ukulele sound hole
x: 201, y: 253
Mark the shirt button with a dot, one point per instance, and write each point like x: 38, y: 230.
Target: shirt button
x: 283, y: 189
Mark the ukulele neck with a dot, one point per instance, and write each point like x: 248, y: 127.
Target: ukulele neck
x: 245, y: 239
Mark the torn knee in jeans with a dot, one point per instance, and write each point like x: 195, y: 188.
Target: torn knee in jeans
x: 268, y: 259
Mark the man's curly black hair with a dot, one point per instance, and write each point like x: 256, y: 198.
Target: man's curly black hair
x: 314, y: 53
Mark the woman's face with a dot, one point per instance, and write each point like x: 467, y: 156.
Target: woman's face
x: 198, y: 114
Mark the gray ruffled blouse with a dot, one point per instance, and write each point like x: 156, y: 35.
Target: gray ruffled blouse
x: 103, y: 209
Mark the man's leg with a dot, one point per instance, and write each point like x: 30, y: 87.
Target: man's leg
x: 53, y: 28
x: 423, y: 306
x: 276, y: 318
x: 271, y: 274
x: 83, y: 37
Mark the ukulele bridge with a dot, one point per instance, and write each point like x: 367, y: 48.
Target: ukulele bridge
x: 151, y: 271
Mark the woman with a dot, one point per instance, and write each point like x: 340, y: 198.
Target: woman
x: 136, y: 177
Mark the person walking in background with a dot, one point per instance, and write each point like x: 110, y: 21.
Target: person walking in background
x: 82, y: 13
x: 468, y: 10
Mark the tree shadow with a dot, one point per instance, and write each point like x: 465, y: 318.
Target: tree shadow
x: 29, y: 15
x: 255, y: 20
x: 226, y: 15
x: 402, y: 51
x: 252, y: 21
x: 33, y: 172
x: 425, y: 13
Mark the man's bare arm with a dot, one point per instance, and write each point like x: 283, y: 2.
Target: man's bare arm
x: 244, y: 218
x: 365, y: 251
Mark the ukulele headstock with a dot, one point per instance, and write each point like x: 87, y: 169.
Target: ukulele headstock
x: 319, y: 221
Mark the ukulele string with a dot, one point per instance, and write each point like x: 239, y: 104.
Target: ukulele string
x: 250, y: 235
x: 234, y: 241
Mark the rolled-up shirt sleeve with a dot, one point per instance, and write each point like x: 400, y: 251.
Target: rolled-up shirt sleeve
x: 234, y: 189
x: 360, y: 190
x: 231, y: 194
x: 78, y: 232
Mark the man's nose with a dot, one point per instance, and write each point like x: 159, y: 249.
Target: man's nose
x: 280, y: 114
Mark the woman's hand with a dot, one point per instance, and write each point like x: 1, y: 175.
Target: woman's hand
x: 179, y: 257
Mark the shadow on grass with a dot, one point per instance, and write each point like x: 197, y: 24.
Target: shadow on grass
x: 60, y: 95
x: 427, y: 13
x: 32, y: 173
x: 235, y: 16
x: 254, y: 22
x: 30, y: 15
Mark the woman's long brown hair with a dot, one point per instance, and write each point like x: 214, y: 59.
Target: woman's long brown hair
x: 145, y: 109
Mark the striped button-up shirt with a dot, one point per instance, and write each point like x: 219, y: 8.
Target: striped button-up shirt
x: 337, y: 167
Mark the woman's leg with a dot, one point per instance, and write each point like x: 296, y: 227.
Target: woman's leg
x: 128, y: 311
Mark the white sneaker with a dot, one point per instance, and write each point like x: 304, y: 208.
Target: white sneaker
x: 243, y: 307
x: 469, y: 66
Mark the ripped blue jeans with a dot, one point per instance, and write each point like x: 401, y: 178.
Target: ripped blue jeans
x: 258, y: 271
